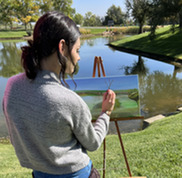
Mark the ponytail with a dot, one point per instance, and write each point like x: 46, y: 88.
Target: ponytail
x: 29, y: 62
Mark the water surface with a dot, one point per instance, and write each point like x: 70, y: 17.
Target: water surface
x: 160, y: 83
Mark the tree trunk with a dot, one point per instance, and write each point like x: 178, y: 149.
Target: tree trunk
x: 30, y: 25
x: 11, y: 26
x: 180, y: 19
x: 140, y: 29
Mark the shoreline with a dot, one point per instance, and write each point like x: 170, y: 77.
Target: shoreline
x: 167, y: 59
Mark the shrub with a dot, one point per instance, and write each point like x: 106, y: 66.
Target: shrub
x: 129, y: 30
x: 84, y: 31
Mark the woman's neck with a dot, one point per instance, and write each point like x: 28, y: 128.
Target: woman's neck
x: 51, y: 63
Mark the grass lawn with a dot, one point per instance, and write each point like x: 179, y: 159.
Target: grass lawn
x: 19, y: 34
x: 97, y: 31
x: 155, y: 152
x: 166, y: 42
x: 12, y: 34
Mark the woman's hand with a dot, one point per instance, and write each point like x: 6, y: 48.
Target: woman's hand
x: 108, y: 102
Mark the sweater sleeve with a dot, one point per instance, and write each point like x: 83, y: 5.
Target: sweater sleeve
x: 90, y: 137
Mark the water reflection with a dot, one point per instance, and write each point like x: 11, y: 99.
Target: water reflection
x: 93, y: 41
x: 138, y: 67
x: 176, y: 71
x: 10, y: 59
x: 89, y: 42
x: 159, y: 92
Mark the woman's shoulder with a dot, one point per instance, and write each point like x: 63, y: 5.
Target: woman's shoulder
x: 16, y: 79
x: 65, y: 96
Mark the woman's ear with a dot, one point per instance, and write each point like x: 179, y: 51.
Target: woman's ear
x: 62, y: 47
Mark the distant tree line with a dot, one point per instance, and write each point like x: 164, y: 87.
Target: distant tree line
x: 27, y: 11
x: 140, y: 12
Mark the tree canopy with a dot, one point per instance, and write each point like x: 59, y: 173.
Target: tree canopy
x: 114, y: 13
x: 91, y: 20
x: 155, y: 12
x: 64, y: 6
x: 78, y: 19
x: 152, y: 12
x: 139, y: 11
x: 26, y: 11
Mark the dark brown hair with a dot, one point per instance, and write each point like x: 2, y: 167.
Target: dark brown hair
x: 48, y: 31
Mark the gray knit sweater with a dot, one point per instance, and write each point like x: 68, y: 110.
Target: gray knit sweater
x: 49, y: 125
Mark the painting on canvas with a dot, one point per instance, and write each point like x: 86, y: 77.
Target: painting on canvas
x: 127, y: 94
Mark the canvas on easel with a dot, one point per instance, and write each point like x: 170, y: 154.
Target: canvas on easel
x: 127, y: 94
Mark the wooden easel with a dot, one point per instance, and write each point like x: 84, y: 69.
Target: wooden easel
x: 98, y: 63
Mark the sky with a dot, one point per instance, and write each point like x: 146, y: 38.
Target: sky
x: 117, y: 83
x: 97, y: 7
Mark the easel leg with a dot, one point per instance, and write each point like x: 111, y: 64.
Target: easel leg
x: 104, y: 158
x: 122, y: 146
x: 98, y: 63
x: 95, y: 64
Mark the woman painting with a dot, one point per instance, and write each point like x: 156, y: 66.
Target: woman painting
x: 49, y: 125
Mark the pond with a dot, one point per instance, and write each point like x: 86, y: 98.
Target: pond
x: 160, y: 83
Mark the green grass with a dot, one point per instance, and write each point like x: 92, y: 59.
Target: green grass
x: 19, y: 34
x: 10, y: 167
x: 6, y: 34
x: 12, y: 34
x: 155, y: 152
x: 97, y: 31
x: 92, y: 31
x: 166, y: 42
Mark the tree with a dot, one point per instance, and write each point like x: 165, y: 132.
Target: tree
x: 163, y: 11
x: 98, y: 21
x: 6, y: 13
x: 114, y: 13
x: 64, y: 6
x: 173, y: 10
x: 89, y: 19
x: 45, y: 5
x: 180, y: 15
x: 26, y: 10
x: 139, y: 11
x: 78, y: 19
